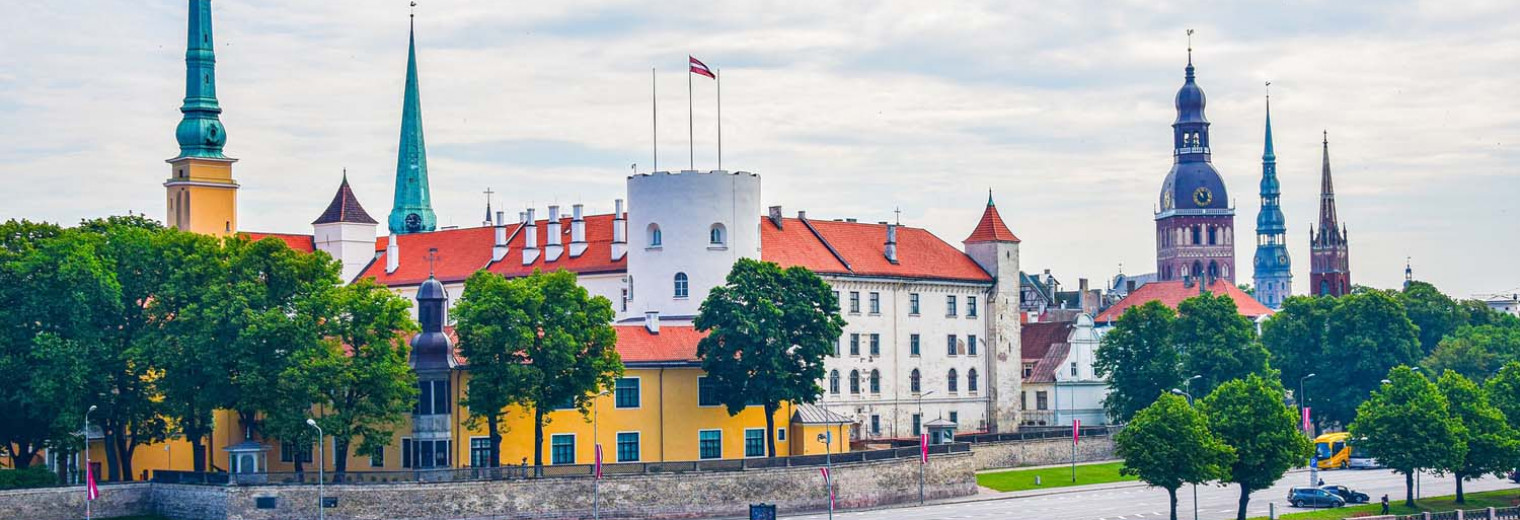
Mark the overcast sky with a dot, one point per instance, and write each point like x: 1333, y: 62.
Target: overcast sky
x: 846, y: 109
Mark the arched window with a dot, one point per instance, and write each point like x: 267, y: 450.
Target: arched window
x: 913, y: 381
x: 855, y: 382
x: 682, y: 289
x: 656, y: 239
x: 834, y: 382
x: 1213, y: 269
x: 717, y: 235
x: 1197, y: 235
x: 971, y: 380
x: 952, y: 383
x: 875, y: 381
x: 1197, y: 269
x: 1213, y: 235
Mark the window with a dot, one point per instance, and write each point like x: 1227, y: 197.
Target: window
x: 1041, y: 400
x: 952, y: 383
x: 913, y: 304
x: 1023, y: 400
x: 854, y: 302
x: 754, y: 442
x: 628, y: 447
x: 288, y: 451
x: 971, y: 380
x: 627, y: 393
x: 876, y: 344
x: 913, y: 381
x: 855, y: 382
x: 1028, y: 370
x: 432, y: 397
x: 875, y: 381
x: 913, y: 344
x: 1073, y: 369
x: 425, y: 454
x: 406, y: 453
x: 480, y: 452
x: 875, y: 303
x: 716, y: 235
x: 681, y: 289
x: 377, y: 459
x: 875, y: 424
x: 706, y: 394
x: 562, y: 448
x: 656, y: 239
x: 710, y: 444
x: 918, y: 428
x: 854, y: 344
x: 780, y: 434
x: 971, y: 345
x: 971, y: 306
x: 950, y: 344
x: 834, y: 382
x: 950, y: 305
x: 955, y: 417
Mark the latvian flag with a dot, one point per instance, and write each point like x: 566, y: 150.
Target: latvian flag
x: 697, y: 67
x: 91, y: 492
x: 828, y: 484
x: 598, y: 460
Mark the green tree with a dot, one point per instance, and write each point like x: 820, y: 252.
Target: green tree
x: 1169, y: 444
x: 555, y: 345
x: 1434, y: 313
x: 1295, y: 339
x: 1250, y: 416
x: 1216, y: 342
x: 1504, y: 392
x: 768, y: 332
x: 1476, y: 351
x: 1491, y: 443
x: 1407, y: 426
x: 1139, y: 359
x: 1367, y: 334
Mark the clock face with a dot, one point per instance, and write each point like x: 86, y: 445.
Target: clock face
x: 413, y: 222
x: 1202, y: 196
x: 1166, y: 200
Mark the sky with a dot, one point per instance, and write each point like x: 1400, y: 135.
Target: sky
x: 847, y: 109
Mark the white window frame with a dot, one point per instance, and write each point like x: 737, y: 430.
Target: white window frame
x: 617, y: 453
x: 640, y: 385
x: 720, y: 444
x: 764, y: 449
x: 574, y: 445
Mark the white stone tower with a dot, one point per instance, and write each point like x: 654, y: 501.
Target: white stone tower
x: 685, y: 231
x: 996, y: 249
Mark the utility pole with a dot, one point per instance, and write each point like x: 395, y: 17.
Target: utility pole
x: 321, y: 474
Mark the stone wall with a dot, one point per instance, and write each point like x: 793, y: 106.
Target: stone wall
x: 67, y: 503
x: 994, y: 455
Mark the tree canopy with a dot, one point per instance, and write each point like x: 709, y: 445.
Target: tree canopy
x: 1367, y: 334
x: 1295, y: 338
x: 1476, y: 352
x: 1407, y: 426
x: 1249, y: 415
x: 1169, y: 444
x: 1139, y: 358
x: 1491, y: 443
x: 1216, y: 342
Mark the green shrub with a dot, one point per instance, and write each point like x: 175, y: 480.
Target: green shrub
x: 33, y: 477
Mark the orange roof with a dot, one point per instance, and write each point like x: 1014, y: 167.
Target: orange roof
x: 991, y: 228
x: 862, y: 249
x: 1174, y: 292
x: 298, y: 242
x: 461, y: 252
x: 674, y: 343
x: 596, y: 259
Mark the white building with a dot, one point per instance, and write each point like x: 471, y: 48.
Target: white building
x: 1060, y: 384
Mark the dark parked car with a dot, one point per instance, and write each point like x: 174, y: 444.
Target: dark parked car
x: 1314, y: 497
x: 1351, y: 497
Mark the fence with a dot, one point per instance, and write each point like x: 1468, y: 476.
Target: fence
x: 1026, y: 433
x: 1500, y: 513
x: 552, y: 471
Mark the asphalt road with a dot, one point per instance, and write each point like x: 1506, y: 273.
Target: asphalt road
x: 1145, y: 503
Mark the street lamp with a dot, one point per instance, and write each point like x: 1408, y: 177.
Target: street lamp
x: 921, y: 443
x: 827, y: 438
x: 89, y: 474
x: 1189, y: 396
x: 596, y: 449
x: 321, y: 475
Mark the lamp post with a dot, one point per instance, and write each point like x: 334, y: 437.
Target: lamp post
x: 827, y: 438
x: 87, y: 461
x: 596, y: 448
x: 1190, y: 405
x: 321, y: 475
x: 921, y: 441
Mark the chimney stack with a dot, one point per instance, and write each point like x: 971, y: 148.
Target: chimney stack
x: 652, y: 321
x: 892, y: 243
x: 554, y: 241
x: 775, y: 215
x: 499, y: 250
x: 577, y: 230
x: 619, y: 231
x: 530, y: 238
x: 392, y: 254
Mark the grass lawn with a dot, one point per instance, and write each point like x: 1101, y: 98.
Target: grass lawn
x: 1499, y: 498
x: 1023, y: 479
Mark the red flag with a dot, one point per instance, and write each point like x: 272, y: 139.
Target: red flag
x: 598, y: 460
x: 697, y: 67
x: 1306, y: 419
x: 91, y: 492
x: 1076, y: 430
x: 923, y: 448
x: 828, y: 484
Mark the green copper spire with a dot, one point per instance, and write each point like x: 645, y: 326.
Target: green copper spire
x: 412, y: 211
x: 200, y: 133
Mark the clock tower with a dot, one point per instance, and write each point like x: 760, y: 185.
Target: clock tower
x: 1195, y: 226
x: 412, y: 211
x: 201, y: 195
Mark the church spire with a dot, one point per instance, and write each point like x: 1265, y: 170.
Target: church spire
x: 200, y: 132
x: 1273, y: 274
x: 412, y: 211
x: 1327, y: 219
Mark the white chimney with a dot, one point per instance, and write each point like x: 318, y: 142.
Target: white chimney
x: 392, y: 254
x: 619, y: 232
x: 553, y: 242
x: 577, y: 230
x: 500, y: 249
x: 652, y: 321
x: 892, y: 243
x: 530, y: 239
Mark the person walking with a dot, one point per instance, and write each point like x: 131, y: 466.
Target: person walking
x: 1385, y: 503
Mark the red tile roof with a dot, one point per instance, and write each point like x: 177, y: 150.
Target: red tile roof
x: 991, y: 228
x: 1035, y: 339
x: 1174, y: 292
x: 1045, y: 369
x: 302, y: 243
x: 461, y: 252
x: 596, y: 259
x: 862, y: 247
x: 674, y: 344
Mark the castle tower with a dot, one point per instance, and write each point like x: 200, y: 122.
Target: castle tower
x: 1329, y: 253
x: 345, y: 231
x: 1195, y: 226
x: 412, y: 211
x: 685, y: 231
x: 1273, y: 275
x: 201, y: 195
x: 994, y: 247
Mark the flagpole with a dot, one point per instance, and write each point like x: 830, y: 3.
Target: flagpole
x: 720, y: 117
x: 691, y: 133
x: 654, y: 118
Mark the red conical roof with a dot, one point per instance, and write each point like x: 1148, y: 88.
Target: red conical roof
x: 344, y: 208
x: 991, y: 228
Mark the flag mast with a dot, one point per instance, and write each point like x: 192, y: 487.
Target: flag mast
x: 719, y: 74
x: 691, y: 135
x: 654, y: 119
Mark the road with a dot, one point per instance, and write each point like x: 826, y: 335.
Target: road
x: 1145, y: 503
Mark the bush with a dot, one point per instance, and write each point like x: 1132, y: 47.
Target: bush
x: 33, y: 477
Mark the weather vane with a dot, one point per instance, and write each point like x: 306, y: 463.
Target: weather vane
x: 1190, y: 45
x: 414, y: 13
x: 431, y: 258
